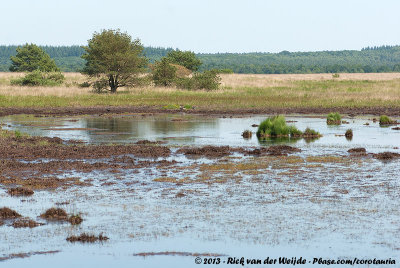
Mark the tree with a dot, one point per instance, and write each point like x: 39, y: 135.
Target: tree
x: 114, y: 60
x: 30, y: 58
x: 164, y: 73
x: 185, y: 58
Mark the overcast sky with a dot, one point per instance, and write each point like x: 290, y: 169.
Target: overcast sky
x: 207, y: 25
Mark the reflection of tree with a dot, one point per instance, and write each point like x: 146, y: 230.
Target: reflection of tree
x: 149, y: 128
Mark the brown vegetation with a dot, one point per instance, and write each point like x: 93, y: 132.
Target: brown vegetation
x: 87, y: 238
x: 55, y: 214
x: 7, y: 213
x: 25, y: 223
x: 20, y: 191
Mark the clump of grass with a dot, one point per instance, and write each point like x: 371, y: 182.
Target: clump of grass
x: 349, y: 134
x: 17, y: 134
x: 87, y: 238
x: 276, y: 127
x: 335, y: 75
x: 385, y: 120
x: 75, y: 219
x: 247, y: 134
x: 311, y: 133
x: 334, y: 119
x: 7, y: 213
x: 55, y: 214
x: 20, y: 191
x: 25, y: 223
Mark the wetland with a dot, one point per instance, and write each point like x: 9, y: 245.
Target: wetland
x: 152, y: 189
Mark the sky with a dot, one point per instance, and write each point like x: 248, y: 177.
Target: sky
x: 207, y: 26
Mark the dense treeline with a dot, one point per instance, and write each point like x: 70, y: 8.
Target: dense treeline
x: 370, y: 59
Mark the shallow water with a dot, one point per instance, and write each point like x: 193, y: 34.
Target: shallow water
x: 317, y: 203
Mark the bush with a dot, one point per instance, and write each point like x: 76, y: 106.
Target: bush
x: 208, y: 80
x: 38, y: 78
x: 334, y: 119
x: 276, y: 127
x: 164, y: 73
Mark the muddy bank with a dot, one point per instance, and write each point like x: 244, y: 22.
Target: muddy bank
x: 66, y: 111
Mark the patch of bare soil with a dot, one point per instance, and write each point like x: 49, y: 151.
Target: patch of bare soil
x: 103, y: 110
x: 7, y: 213
x: 25, y: 223
x: 207, y: 151
x: 39, y: 183
x: 357, y: 151
x: 147, y: 142
x: 55, y: 214
x: 87, y: 238
x: 278, y: 150
x: 20, y: 191
x: 20, y: 150
x: 387, y: 156
x: 26, y: 255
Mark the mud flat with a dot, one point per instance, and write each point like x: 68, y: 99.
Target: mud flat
x: 172, y: 190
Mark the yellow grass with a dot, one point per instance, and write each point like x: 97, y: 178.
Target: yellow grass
x: 237, y: 91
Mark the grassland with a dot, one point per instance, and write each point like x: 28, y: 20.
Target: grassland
x: 237, y: 91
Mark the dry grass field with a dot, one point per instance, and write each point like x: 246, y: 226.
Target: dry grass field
x: 237, y: 91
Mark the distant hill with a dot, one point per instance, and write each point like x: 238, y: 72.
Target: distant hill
x: 370, y: 59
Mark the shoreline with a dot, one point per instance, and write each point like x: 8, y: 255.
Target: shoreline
x: 101, y: 110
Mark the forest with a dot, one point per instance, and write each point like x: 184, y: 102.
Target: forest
x: 368, y: 60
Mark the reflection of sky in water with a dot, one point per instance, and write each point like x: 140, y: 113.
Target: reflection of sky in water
x: 199, y: 130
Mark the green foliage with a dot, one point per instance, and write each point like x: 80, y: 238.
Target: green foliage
x: 38, y: 78
x: 185, y: 58
x: 17, y: 134
x: 368, y: 60
x: 164, y: 74
x: 276, y: 127
x: 208, y: 80
x: 113, y: 57
x: 224, y: 71
x: 311, y: 133
x: 334, y: 119
x: 31, y: 58
x: 335, y: 75
x: 385, y: 120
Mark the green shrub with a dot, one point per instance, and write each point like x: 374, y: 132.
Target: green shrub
x: 276, y: 127
x: 38, y: 78
x: 208, y: 80
x: 334, y: 119
x: 164, y: 73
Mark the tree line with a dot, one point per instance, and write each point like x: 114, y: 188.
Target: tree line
x: 369, y: 59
